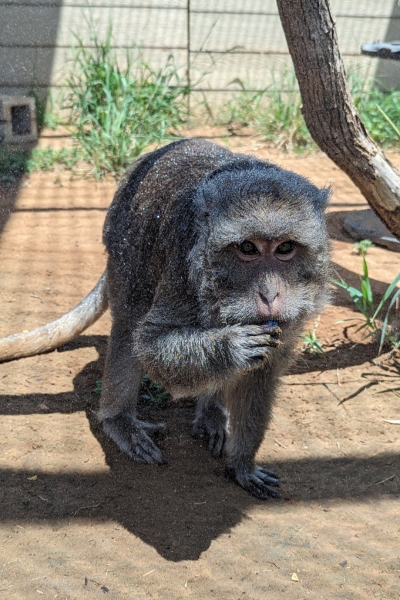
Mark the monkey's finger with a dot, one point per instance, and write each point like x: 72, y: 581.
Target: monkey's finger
x: 268, y: 477
x: 272, y: 329
x: 263, y: 340
x: 252, y: 330
x: 258, y: 352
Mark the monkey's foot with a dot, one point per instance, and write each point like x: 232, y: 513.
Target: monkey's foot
x: 259, y: 482
x: 133, y: 437
x: 211, y: 423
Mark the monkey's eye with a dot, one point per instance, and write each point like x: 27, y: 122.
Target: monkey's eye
x: 285, y: 250
x: 248, y: 248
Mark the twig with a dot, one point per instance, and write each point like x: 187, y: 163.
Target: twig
x: 279, y: 444
x: 384, y: 480
x: 361, y: 389
x: 82, y: 507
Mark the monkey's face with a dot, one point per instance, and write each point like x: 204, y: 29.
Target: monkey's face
x: 264, y: 256
x: 260, y: 279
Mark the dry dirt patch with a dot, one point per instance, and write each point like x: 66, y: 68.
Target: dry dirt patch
x: 79, y: 520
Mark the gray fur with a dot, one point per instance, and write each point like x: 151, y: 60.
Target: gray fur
x: 184, y: 307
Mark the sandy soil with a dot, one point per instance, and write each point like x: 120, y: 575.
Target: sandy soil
x: 80, y: 520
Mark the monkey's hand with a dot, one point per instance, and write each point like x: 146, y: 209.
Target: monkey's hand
x: 249, y: 344
x: 259, y: 482
x: 186, y: 361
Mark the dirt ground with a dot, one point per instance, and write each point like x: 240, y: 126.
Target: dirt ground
x: 80, y: 520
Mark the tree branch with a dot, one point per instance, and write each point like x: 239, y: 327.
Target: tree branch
x: 329, y: 110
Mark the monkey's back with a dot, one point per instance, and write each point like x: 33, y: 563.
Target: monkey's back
x: 150, y: 222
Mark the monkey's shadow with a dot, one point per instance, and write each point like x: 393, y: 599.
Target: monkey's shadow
x: 180, y: 508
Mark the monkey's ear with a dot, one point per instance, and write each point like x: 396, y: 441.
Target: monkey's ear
x: 323, y: 197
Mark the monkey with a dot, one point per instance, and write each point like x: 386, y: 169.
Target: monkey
x: 215, y: 261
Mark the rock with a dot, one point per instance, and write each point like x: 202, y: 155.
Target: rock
x: 365, y: 225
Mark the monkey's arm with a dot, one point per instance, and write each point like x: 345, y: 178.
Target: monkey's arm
x: 187, y: 359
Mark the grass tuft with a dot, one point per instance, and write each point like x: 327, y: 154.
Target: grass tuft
x: 373, y: 318
x: 116, y: 112
x: 275, y: 113
x: 14, y: 163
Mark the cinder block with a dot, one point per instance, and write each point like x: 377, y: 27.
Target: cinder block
x: 18, y: 119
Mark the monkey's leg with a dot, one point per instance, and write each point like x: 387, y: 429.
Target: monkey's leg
x: 249, y: 406
x: 120, y: 391
x: 211, y: 420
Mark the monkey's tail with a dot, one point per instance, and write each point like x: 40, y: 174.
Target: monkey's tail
x: 58, y: 332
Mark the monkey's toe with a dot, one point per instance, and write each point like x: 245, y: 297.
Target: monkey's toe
x: 269, y: 477
x: 131, y: 437
x: 145, y: 450
x: 259, y: 483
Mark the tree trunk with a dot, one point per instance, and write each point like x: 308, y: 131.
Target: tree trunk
x: 328, y: 108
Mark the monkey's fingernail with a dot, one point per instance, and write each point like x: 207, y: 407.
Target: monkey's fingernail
x: 272, y: 327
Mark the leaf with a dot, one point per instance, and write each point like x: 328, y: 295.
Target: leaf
x: 385, y: 116
x: 386, y: 320
x: 33, y: 478
x: 386, y: 295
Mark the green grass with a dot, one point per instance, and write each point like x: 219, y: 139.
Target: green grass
x: 373, y: 317
x: 14, y: 163
x: 275, y: 114
x: 311, y: 343
x: 117, y: 111
x: 378, y: 110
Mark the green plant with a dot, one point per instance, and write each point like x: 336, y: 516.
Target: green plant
x: 374, y: 319
x: 153, y: 392
x: 14, y: 163
x: 148, y: 390
x: 281, y: 122
x: 45, y: 112
x: 274, y: 112
x: 363, y: 246
x: 117, y: 111
x: 379, y: 110
x: 242, y: 109
x: 311, y: 344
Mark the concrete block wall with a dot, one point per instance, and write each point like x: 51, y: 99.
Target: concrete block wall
x: 226, y: 44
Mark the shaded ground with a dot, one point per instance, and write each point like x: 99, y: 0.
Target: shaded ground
x: 80, y: 520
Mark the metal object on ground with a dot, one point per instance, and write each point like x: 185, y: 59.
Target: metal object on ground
x: 388, y: 50
x: 365, y: 225
x: 18, y: 119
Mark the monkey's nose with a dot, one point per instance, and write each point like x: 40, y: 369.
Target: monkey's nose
x: 269, y: 305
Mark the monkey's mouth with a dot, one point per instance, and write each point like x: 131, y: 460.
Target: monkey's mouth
x: 271, y: 323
